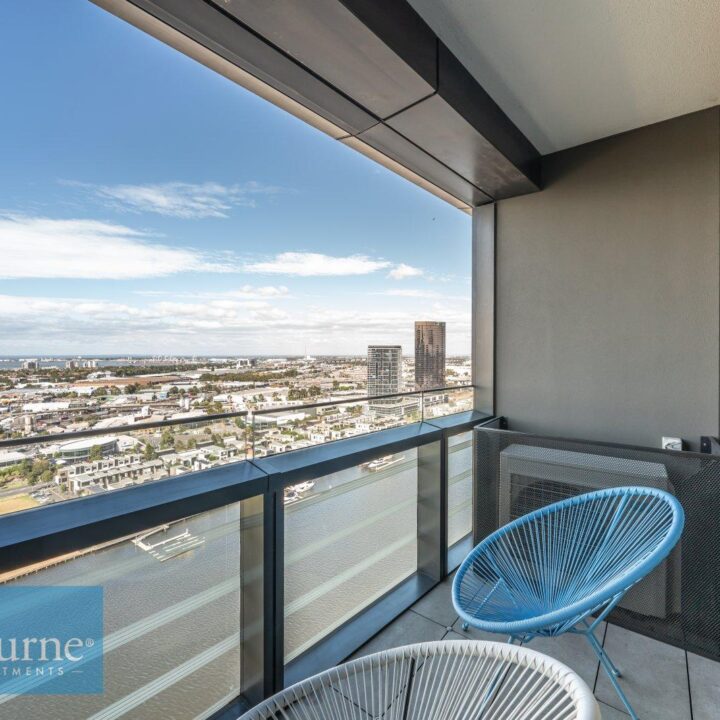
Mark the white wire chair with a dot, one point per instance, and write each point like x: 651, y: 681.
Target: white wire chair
x: 452, y: 680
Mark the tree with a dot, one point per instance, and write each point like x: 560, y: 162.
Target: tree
x: 38, y: 471
x: 96, y: 453
x: 213, y: 407
x: 149, y: 452
x: 46, y: 476
x: 167, y: 439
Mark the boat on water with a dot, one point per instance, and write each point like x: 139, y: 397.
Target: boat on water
x: 383, y: 463
x: 303, y: 487
x: 290, y: 496
x: 293, y: 493
x: 168, y: 547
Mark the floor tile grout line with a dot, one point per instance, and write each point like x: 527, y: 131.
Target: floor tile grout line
x: 689, y: 686
x: 612, y: 707
x: 425, y: 617
x: 597, y: 669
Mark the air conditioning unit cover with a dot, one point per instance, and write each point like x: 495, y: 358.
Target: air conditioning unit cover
x: 532, y: 477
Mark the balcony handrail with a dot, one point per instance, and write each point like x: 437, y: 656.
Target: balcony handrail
x: 63, y: 437
x: 37, y: 534
x: 198, y: 419
x: 359, y: 398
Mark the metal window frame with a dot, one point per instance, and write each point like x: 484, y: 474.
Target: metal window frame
x: 484, y: 223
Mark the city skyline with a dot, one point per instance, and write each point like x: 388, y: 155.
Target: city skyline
x: 210, y: 223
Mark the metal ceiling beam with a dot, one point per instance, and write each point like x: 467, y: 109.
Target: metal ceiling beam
x: 372, y: 75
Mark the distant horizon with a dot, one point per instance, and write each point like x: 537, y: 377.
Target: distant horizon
x: 185, y: 356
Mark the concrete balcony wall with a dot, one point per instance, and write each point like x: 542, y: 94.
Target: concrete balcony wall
x: 608, y: 289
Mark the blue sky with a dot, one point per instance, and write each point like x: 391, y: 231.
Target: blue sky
x: 148, y: 205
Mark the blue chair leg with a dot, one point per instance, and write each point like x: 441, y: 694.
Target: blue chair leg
x: 612, y: 672
x: 600, y: 649
x: 465, y: 626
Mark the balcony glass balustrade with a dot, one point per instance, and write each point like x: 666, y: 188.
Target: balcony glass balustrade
x: 223, y: 583
x: 459, y: 487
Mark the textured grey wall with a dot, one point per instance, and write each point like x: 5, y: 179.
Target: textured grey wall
x: 608, y: 289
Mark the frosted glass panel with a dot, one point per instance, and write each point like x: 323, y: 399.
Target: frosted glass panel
x: 350, y: 537
x: 459, y: 486
x: 172, y: 618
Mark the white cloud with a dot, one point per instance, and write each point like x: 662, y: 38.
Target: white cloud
x: 37, y: 247
x: 304, y: 264
x: 43, y: 325
x: 265, y: 291
x: 402, y: 271
x: 412, y: 293
x: 182, y: 200
x: 246, y: 291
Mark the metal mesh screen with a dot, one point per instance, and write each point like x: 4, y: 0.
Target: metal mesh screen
x: 679, y: 602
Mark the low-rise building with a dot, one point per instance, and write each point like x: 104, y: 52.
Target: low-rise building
x: 11, y: 457
x: 110, y: 473
x: 80, y: 449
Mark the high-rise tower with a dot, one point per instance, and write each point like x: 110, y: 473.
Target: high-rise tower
x: 429, y: 355
x: 384, y: 369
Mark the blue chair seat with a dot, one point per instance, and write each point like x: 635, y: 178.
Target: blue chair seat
x: 547, y: 572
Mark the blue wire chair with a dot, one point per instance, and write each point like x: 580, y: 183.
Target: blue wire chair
x: 545, y: 573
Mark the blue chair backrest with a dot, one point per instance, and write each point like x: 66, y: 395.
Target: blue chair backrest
x: 582, y: 550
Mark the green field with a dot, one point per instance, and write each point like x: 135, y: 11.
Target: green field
x: 15, y: 503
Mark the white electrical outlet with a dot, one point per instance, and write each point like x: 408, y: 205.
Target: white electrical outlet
x: 672, y: 443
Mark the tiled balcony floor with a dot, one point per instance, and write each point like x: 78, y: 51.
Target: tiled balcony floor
x: 662, y: 682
